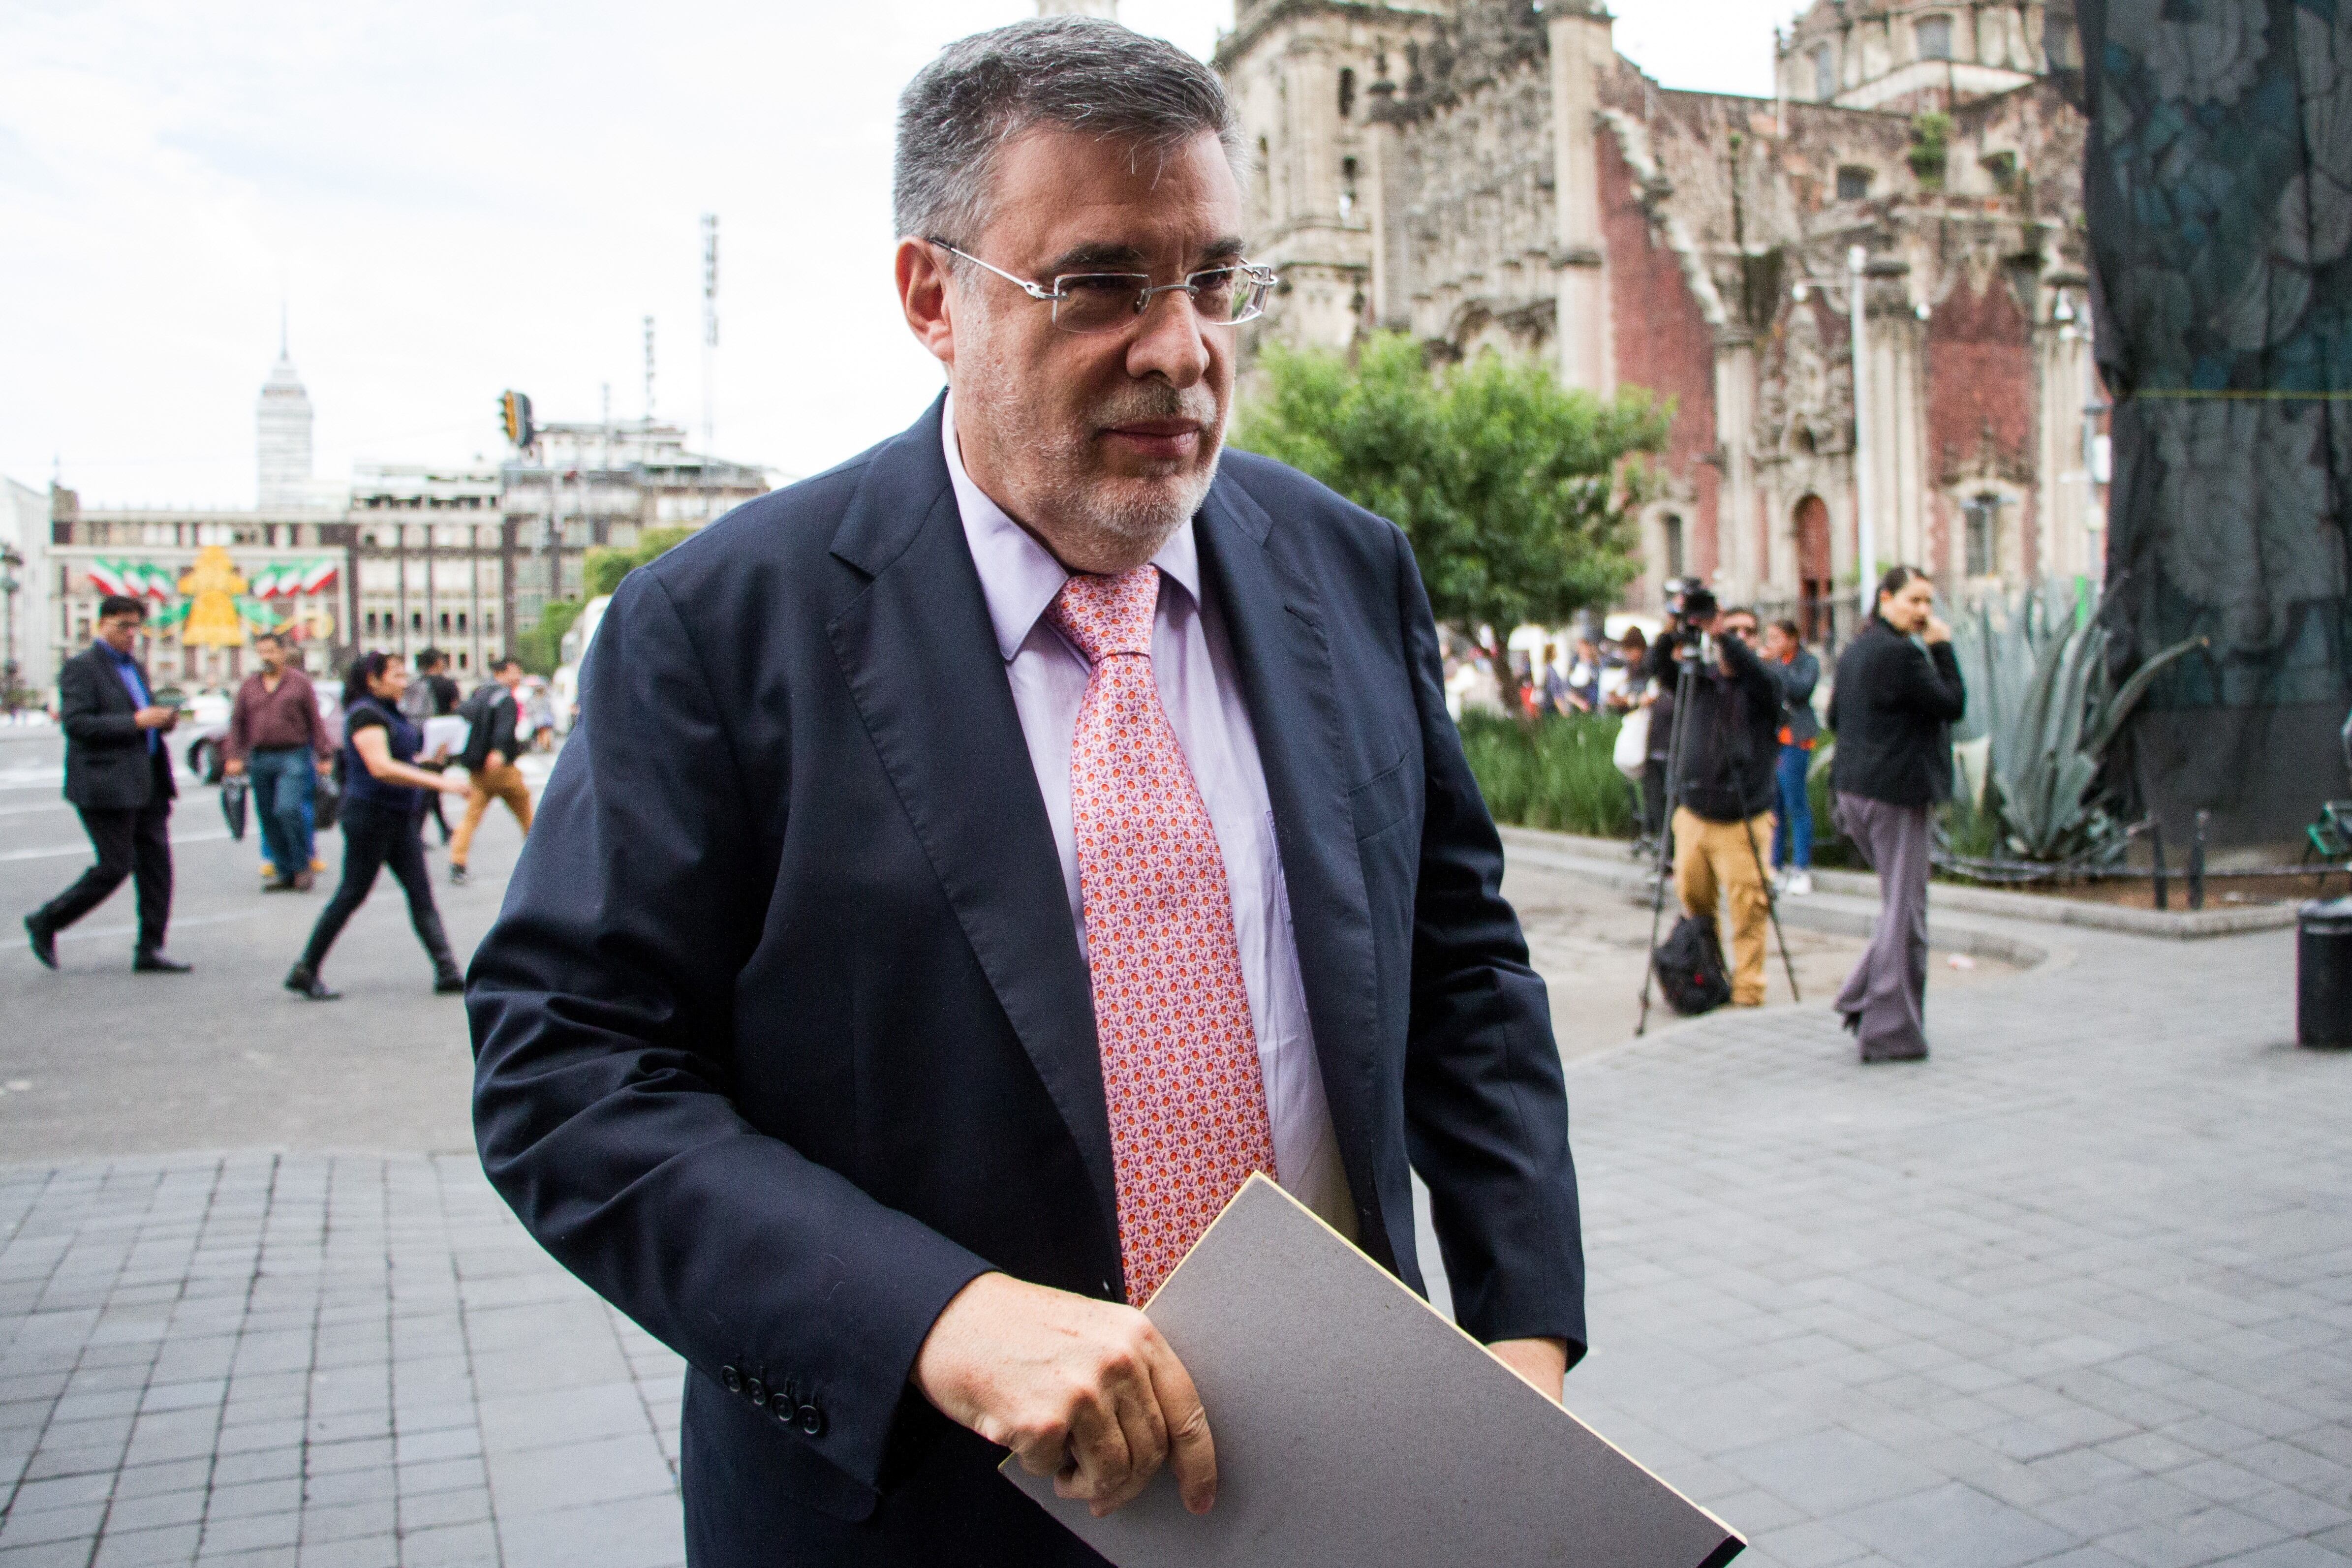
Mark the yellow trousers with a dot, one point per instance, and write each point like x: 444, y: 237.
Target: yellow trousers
x: 503, y: 783
x: 1717, y: 862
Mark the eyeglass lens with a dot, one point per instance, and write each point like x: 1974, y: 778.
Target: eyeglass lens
x: 1105, y: 301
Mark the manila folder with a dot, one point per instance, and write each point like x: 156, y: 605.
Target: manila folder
x: 1357, y: 1427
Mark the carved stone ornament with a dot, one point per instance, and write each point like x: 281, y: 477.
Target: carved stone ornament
x: 1805, y: 407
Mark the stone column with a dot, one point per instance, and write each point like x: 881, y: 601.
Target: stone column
x: 1747, y: 558
x: 1581, y: 48
x: 1384, y: 286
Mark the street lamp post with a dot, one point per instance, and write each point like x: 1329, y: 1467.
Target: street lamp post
x: 9, y: 563
x: 1865, y: 537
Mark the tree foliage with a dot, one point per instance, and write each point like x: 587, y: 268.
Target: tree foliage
x: 1517, y: 493
x: 606, y: 564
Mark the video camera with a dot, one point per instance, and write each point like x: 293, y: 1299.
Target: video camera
x: 1689, y: 600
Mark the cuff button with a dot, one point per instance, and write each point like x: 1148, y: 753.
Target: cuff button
x: 731, y: 1379
x: 812, y: 1421
x: 757, y: 1390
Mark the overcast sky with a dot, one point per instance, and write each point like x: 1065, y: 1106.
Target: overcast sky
x: 455, y: 196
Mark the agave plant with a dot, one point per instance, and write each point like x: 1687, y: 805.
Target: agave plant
x: 2040, y: 688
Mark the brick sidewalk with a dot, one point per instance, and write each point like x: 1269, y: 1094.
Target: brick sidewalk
x: 348, y: 1361
x: 2078, y: 1291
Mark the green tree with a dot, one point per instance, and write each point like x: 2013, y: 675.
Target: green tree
x: 540, y: 647
x: 1517, y: 494
x: 606, y: 564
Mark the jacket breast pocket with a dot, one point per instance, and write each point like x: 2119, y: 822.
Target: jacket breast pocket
x: 1386, y: 799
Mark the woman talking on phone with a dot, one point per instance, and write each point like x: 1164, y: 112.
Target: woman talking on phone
x: 383, y: 806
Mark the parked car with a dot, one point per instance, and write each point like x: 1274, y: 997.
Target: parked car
x: 205, y: 726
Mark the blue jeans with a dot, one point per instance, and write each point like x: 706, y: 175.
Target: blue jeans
x: 1796, y: 813
x: 282, y: 782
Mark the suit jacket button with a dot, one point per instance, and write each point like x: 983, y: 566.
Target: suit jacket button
x: 757, y: 1390
x: 783, y: 1412
x: 731, y: 1379
x: 812, y: 1421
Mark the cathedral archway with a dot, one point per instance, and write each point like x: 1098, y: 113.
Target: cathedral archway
x: 1816, y: 587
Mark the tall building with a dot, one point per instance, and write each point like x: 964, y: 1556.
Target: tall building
x: 1493, y: 174
x: 283, y: 428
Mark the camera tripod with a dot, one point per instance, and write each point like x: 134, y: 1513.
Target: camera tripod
x: 1685, y: 673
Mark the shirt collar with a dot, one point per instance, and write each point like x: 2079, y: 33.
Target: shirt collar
x: 1018, y: 576
x: 107, y: 648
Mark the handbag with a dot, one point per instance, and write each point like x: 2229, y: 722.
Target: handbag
x: 1631, y: 753
x: 232, y: 803
x: 1689, y: 964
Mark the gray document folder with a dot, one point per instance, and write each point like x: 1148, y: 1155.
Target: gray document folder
x: 1356, y: 1427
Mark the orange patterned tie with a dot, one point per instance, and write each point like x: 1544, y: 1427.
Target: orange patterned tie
x: 1188, y: 1118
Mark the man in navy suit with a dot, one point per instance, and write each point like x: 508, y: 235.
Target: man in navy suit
x: 808, y: 1034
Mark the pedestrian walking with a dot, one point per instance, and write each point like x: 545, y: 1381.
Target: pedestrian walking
x: 431, y: 694
x: 1898, y: 692
x: 383, y: 812
x: 1723, y: 784
x: 276, y: 739
x: 1792, y: 837
x: 118, y: 777
x: 495, y: 716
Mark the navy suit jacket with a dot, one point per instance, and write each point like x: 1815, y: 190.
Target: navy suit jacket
x: 783, y: 1035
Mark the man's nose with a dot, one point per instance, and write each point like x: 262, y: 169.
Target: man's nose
x: 1172, y: 343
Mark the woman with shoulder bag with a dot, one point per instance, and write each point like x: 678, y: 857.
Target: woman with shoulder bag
x: 383, y: 808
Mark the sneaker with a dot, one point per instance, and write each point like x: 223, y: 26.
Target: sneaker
x: 1798, y: 885
x: 457, y: 875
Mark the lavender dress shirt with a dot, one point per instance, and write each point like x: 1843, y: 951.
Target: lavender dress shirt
x: 1193, y: 665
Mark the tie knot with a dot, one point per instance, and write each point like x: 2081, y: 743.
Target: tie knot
x: 1108, y: 615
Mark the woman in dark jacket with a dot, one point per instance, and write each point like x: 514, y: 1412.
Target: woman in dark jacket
x: 1898, y: 692
x: 383, y: 806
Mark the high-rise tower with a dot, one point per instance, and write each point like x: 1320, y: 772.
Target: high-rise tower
x: 283, y: 427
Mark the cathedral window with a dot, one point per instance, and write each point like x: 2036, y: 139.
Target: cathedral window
x: 1346, y: 93
x: 1853, y: 184
x: 1981, y: 522
x: 1346, y: 187
x: 1670, y: 533
x: 1824, y: 73
x: 1935, y: 33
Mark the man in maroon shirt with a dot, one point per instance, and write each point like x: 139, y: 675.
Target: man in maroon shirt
x: 276, y: 739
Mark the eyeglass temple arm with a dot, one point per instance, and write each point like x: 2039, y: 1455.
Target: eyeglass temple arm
x: 1031, y: 289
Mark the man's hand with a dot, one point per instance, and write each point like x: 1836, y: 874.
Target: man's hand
x: 233, y: 767
x: 494, y: 761
x: 1081, y: 1390
x: 1542, y: 1362
x: 1936, y: 631
x: 156, y: 717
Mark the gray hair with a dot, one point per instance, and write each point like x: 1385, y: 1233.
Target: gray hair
x: 1079, y: 73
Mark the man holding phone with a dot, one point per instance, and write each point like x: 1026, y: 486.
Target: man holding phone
x: 118, y: 777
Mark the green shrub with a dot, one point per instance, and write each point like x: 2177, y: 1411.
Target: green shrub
x: 1554, y: 774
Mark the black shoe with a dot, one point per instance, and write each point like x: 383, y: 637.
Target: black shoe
x: 45, y: 941
x: 152, y: 961
x: 457, y: 875
x: 449, y: 984
x: 303, y: 981
x: 280, y: 885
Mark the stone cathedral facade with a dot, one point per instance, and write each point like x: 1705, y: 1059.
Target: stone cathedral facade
x: 1493, y: 174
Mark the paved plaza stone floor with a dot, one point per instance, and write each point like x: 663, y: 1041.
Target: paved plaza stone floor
x: 2076, y: 1291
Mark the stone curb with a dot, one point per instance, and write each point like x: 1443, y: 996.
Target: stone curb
x: 1605, y: 854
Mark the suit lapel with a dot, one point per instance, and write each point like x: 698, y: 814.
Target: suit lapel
x: 1283, y: 661
x: 924, y: 670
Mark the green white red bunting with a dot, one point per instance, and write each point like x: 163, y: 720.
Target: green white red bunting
x: 276, y: 579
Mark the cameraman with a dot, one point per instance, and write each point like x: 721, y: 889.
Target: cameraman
x: 1723, y: 785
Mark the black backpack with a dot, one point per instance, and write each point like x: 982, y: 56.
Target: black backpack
x: 475, y: 711
x: 1690, y: 968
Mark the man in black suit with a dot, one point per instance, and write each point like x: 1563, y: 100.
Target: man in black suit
x: 829, y: 1029
x: 119, y: 776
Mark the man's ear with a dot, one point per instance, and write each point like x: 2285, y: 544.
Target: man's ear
x: 927, y: 293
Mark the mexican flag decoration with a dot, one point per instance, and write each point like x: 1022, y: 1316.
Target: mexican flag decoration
x: 286, y: 578
x: 139, y: 579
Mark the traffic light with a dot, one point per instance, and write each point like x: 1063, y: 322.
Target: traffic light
x: 514, y: 416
